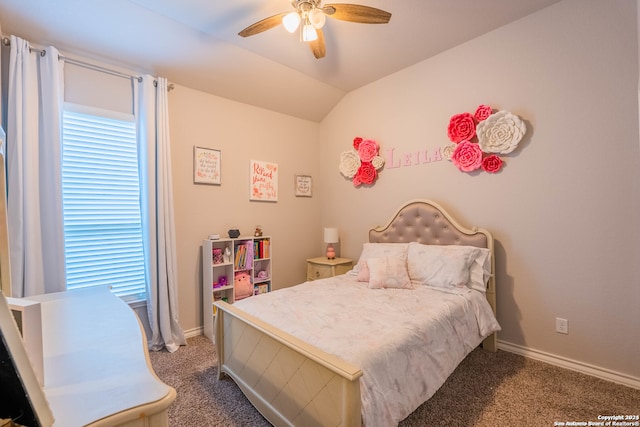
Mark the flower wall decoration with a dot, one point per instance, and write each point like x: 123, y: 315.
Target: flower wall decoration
x: 478, y: 139
x: 362, y: 163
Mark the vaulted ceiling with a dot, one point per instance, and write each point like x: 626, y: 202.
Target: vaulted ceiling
x: 195, y: 43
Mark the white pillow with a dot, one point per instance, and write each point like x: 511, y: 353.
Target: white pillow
x: 386, y: 273
x: 363, y: 274
x: 443, y: 266
x: 380, y: 250
x: 480, y: 271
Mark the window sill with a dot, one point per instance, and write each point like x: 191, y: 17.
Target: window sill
x: 137, y: 304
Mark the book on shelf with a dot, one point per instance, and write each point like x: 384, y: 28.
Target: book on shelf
x: 248, y: 262
x: 243, y: 257
x: 260, y: 289
x: 239, y: 257
x: 236, y: 257
x: 261, y: 248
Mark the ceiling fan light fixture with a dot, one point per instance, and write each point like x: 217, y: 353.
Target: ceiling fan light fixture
x: 309, y: 17
x: 317, y: 18
x: 309, y: 33
x: 291, y: 21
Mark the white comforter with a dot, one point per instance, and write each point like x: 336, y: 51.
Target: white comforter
x: 406, y: 342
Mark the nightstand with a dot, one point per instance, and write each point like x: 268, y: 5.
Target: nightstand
x: 321, y: 267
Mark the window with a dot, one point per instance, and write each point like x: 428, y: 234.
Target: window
x: 101, y: 202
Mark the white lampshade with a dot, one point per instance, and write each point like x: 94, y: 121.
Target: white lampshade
x: 331, y: 235
x: 309, y: 33
x: 317, y: 18
x: 291, y: 21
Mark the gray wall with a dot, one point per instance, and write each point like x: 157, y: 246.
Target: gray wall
x: 564, y: 210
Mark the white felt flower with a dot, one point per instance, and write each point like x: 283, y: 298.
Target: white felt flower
x: 500, y: 132
x: 377, y: 162
x: 349, y: 163
x: 448, y: 150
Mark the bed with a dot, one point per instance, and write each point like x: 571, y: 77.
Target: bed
x: 367, y: 347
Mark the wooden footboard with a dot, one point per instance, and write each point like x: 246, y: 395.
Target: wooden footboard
x: 290, y: 382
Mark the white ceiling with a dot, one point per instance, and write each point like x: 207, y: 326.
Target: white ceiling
x: 194, y: 42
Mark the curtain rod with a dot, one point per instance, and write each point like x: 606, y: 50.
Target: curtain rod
x: 98, y: 68
x: 7, y: 42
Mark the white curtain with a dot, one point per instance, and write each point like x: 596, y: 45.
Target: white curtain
x: 36, y: 236
x: 157, y: 203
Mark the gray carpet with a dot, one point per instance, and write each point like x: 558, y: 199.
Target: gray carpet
x: 486, y: 390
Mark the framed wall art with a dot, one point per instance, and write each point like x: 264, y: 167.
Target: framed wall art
x: 303, y: 185
x: 206, y: 166
x: 263, y: 181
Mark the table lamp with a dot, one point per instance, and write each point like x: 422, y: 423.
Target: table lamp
x: 330, y: 237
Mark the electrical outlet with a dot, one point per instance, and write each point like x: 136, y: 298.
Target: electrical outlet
x: 562, y: 326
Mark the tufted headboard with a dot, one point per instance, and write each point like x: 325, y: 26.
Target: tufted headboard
x: 426, y: 222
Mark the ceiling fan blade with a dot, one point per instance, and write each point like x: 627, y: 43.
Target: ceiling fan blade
x: 317, y: 46
x: 357, y: 13
x: 263, y: 25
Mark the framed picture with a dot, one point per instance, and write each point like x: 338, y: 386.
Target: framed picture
x: 303, y: 185
x: 263, y: 181
x: 206, y: 166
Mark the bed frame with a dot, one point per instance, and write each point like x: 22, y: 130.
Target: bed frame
x: 293, y: 383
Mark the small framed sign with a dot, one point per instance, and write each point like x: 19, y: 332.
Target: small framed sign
x: 303, y: 185
x: 206, y: 166
x: 263, y: 178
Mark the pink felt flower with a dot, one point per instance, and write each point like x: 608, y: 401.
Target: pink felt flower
x: 366, y: 174
x: 462, y: 127
x: 467, y: 156
x: 356, y: 142
x: 492, y: 163
x: 482, y: 112
x: 367, y: 150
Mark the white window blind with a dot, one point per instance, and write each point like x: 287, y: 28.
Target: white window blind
x: 101, y: 203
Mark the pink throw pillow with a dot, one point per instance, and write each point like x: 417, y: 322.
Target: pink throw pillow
x: 387, y: 273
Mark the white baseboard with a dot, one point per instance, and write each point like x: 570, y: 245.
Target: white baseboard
x: 574, y: 365
x: 194, y: 332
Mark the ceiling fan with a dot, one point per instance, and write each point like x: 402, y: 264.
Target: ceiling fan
x: 309, y: 16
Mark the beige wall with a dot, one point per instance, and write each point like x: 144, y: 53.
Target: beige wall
x: 243, y: 133
x: 565, y: 208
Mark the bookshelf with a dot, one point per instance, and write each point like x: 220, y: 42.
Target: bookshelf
x: 221, y: 260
